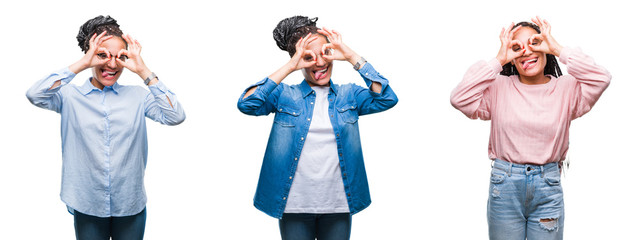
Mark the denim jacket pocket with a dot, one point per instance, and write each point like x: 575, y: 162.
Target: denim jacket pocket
x: 348, y: 113
x: 286, y: 116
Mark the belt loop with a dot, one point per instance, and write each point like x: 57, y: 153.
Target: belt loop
x: 509, y: 173
x: 542, y: 172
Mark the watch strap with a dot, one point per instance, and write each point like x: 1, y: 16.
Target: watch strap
x: 149, y: 78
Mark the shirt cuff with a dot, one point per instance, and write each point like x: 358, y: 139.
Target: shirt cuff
x: 370, y: 75
x: 158, y: 88
x: 266, y: 85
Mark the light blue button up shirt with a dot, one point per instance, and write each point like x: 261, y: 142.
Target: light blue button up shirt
x: 293, y: 107
x: 104, y: 145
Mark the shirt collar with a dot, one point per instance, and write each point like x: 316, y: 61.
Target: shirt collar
x: 88, y: 87
x: 307, y: 90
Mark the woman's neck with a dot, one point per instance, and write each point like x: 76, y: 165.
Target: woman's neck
x: 534, y: 80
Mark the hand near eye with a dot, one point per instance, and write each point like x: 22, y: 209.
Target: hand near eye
x: 303, y: 57
x: 96, y: 55
x: 544, y: 41
x: 510, y: 48
x: 335, y: 49
x: 130, y: 58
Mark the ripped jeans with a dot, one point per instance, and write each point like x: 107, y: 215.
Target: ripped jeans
x: 525, y: 201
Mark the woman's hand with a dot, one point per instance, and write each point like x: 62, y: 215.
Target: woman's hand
x: 544, y: 42
x: 510, y: 48
x: 96, y: 55
x: 130, y: 58
x: 335, y: 49
x: 303, y: 58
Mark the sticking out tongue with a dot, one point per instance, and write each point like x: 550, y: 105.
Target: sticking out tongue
x: 320, y: 74
x: 529, y: 64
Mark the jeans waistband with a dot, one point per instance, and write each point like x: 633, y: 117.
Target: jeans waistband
x: 525, y: 169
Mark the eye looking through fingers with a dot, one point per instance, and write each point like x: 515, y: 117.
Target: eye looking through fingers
x: 103, y: 56
x: 123, y: 57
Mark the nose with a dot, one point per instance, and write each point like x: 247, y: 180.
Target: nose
x: 112, y: 63
x: 320, y: 61
x: 527, y: 51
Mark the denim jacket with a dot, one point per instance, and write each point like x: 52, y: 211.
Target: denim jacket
x: 293, y: 108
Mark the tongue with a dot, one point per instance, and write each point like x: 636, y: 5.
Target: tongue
x: 320, y: 75
x: 105, y: 74
x: 527, y: 64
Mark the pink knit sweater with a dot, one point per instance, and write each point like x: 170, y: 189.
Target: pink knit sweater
x: 530, y: 123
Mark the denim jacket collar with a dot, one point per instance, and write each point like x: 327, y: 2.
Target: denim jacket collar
x: 306, y: 90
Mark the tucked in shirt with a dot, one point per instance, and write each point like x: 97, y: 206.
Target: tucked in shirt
x: 104, y: 142
x: 317, y: 186
x: 530, y: 123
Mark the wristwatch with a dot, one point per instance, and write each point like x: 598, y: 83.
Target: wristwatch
x: 360, y: 63
x: 149, y: 78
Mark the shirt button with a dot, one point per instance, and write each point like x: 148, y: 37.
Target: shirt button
x: 290, y: 177
x: 331, y: 115
x: 302, y: 138
x: 284, y: 198
x: 312, y: 103
x: 344, y: 174
x: 308, y: 119
x: 295, y: 159
x: 337, y: 134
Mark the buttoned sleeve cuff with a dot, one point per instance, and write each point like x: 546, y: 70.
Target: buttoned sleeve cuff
x: 264, y: 87
x: 159, y: 89
x: 65, y: 75
x: 370, y: 75
x: 495, y: 65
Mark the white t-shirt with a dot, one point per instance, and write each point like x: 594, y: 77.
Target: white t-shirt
x: 317, y: 186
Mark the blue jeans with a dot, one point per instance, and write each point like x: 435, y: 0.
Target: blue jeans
x: 89, y: 227
x: 307, y: 226
x: 525, y: 201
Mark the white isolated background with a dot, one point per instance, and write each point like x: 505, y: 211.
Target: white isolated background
x: 426, y: 162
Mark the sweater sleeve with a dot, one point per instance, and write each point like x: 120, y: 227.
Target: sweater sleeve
x: 472, y: 95
x: 591, y: 79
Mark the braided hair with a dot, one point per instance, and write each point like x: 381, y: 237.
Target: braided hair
x: 97, y: 25
x: 291, y: 29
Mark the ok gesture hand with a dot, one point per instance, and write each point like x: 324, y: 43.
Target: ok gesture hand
x: 510, y: 47
x: 544, y: 42
x: 131, y: 59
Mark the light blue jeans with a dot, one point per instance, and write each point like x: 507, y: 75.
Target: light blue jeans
x: 525, y: 201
